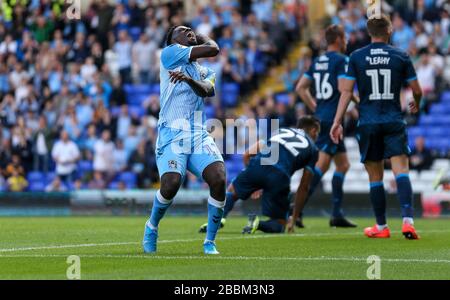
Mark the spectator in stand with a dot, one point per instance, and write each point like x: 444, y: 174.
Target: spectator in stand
x: 242, y: 73
x: 97, y: 182
x: 139, y: 163
x: 403, y: 34
x: 91, y: 139
x: 120, y: 157
x: 123, y: 122
x: 421, y: 158
x: 131, y: 141
x: 17, y: 183
x: 426, y: 74
x: 65, y: 153
x: 42, y: 143
x: 56, y: 186
x: 104, y: 155
x: 123, y: 49
x: 15, y: 165
x: 144, y: 59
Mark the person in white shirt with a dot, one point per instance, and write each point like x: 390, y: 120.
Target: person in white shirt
x: 144, y: 58
x: 66, y: 154
x: 120, y: 157
x: 104, y: 154
x: 123, y: 49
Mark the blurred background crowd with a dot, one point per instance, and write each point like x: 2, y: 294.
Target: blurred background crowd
x: 79, y: 98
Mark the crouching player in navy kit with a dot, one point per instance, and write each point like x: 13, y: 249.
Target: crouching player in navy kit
x: 326, y: 74
x: 380, y: 72
x: 271, y: 173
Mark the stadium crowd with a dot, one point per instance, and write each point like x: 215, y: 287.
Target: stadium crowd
x: 66, y: 119
x: 66, y: 122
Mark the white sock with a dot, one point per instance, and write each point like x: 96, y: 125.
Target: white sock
x: 150, y: 225
x: 214, y: 202
x: 381, y: 227
x: 409, y: 221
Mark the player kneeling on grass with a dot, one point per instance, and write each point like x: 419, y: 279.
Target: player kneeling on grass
x: 269, y: 167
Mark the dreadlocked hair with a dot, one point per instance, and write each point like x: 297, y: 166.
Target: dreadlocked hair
x: 169, y: 35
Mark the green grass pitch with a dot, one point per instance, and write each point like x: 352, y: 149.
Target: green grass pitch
x: 109, y: 248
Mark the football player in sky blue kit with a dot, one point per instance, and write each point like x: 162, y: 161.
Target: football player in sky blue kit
x: 327, y: 74
x: 183, y: 142
x: 380, y: 72
x: 269, y: 167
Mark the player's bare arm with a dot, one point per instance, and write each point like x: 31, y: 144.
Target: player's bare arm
x: 202, y: 88
x: 300, y: 198
x: 341, y: 85
x: 251, y: 151
x: 206, y: 48
x: 417, y: 94
x: 337, y: 132
x: 303, y: 90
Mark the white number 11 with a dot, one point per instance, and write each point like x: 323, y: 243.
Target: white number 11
x: 376, y: 94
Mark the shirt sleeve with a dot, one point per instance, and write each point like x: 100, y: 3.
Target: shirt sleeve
x: 351, y: 72
x: 342, y: 68
x: 309, y: 74
x: 211, y: 78
x: 410, y: 71
x: 175, y: 55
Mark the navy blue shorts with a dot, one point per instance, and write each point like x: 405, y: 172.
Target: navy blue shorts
x: 382, y: 141
x: 324, y: 142
x: 275, y: 185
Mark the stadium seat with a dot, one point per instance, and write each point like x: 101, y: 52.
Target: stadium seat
x: 85, y: 166
x: 210, y: 111
x: 50, y: 177
x: 427, y: 120
x: 229, y: 99
x: 445, y: 97
x: 35, y: 176
x: 135, y: 32
x: 136, y: 98
x: 282, y: 98
x: 232, y: 88
x: 156, y: 89
x: 137, y: 111
x: 129, y: 178
x: 37, y: 186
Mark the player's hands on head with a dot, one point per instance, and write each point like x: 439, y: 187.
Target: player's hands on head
x: 291, y: 225
x: 177, y: 76
x: 336, y: 133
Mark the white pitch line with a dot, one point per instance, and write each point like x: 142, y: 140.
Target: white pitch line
x: 259, y: 258
x: 263, y: 236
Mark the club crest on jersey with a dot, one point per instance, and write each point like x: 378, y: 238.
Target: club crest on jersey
x: 173, y: 164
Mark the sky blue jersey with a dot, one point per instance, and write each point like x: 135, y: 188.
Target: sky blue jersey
x: 178, y: 101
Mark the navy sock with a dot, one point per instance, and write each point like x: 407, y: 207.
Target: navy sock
x: 270, y: 226
x: 337, y: 182
x: 160, y: 206
x: 405, y: 195
x: 378, y: 199
x: 215, y: 213
x: 229, y: 204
